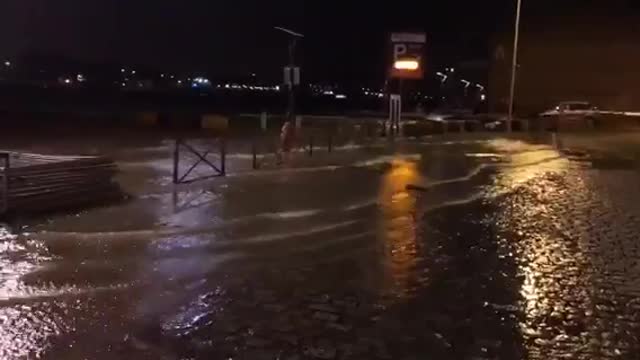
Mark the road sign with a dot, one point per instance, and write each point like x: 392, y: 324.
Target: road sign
x: 292, y: 75
x: 407, y: 55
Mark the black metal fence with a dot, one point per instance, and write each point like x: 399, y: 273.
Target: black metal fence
x: 216, y: 166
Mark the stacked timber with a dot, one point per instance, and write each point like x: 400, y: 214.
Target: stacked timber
x: 35, y: 183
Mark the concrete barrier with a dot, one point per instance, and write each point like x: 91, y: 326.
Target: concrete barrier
x: 617, y: 122
x: 214, y: 122
x: 147, y: 119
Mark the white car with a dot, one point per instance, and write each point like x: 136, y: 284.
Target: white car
x: 572, y: 110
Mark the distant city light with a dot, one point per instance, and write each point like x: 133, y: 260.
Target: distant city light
x: 7, y: 63
x: 200, y: 81
x: 133, y: 72
x: 341, y: 96
x: 162, y: 76
x: 172, y: 77
x: 123, y: 84
x: 81, y: 78
x: 483, y: 97
x: 327, y: 92
x: 123, y: 70
x: 406, y: 65
x: 179, y: 81
x: 277, y: 87
x: 67, y: 81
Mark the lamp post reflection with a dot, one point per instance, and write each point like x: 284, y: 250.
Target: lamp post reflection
x: 397, y: 226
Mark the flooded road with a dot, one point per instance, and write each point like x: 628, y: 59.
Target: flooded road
x: 511, y: 250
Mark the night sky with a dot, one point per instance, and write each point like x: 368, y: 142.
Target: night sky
x: 345, y: 40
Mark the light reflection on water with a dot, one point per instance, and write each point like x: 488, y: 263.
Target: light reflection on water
x: 23, y: 332
x: 397, y: 223
x: 551, y: 271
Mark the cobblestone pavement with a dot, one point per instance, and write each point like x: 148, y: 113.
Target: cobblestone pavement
x: 526, y: 254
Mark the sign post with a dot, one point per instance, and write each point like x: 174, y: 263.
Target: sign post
x: 395, y: 112
x: 291, y: 71
x: 407, y: 51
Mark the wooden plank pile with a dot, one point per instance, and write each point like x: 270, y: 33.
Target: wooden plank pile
x: 35, y: 183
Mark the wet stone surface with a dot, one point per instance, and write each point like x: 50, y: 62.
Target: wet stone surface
x: 542, y: 272
x: 534, y: 256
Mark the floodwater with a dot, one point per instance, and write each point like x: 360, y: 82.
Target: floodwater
x: 509, y: 249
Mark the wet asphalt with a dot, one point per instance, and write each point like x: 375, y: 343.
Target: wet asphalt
x: 509, y: 249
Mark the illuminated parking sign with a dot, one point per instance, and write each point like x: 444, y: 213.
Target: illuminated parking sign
x: 407, y: 55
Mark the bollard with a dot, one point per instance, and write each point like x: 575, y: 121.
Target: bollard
x: 176, y: 160
x: 254, y: 152
x: 263, y: 121
x: 5, y: 183
x: 554, y: 140
x: 310, y: 145
x: 223, y: 157
x: 329, y: 142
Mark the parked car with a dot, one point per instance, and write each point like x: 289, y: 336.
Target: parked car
x: 571, y: 113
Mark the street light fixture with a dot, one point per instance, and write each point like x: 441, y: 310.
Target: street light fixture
x: 442, y: 76
x: 466, y: 86
x: 514, y: 66
x: 294, y: 36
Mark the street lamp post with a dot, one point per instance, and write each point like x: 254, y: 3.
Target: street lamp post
x: 291, y: 67
x: 514, y: 66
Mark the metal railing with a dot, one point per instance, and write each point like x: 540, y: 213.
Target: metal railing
x: 308, y: 142
x: 217, y: 169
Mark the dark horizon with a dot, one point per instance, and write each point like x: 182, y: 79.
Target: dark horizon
x: 344, y: 41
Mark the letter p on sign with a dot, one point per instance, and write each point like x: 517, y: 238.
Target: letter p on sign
x: 399, y: 50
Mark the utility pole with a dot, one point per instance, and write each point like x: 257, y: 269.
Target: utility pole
x: 292, y: 66
x: 293, y: 71
x: 514, y: 67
